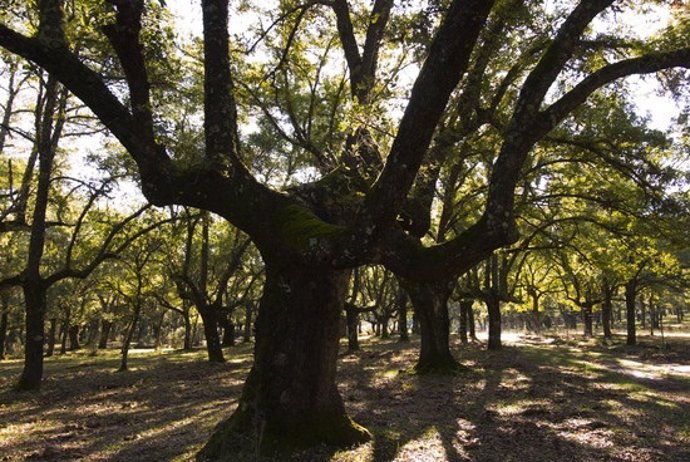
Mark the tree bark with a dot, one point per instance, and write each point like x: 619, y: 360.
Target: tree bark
x: 187, y: 343
x: 465, y: 307
x: 430, y: 301
x: 352, y: 318
x: 225, y: 321
x: 73, y: 333
x: 290, y: 399
x: 209, y: 318
x: 35, y: 301
x: 471, y: 323
x: 63, y: 335
x: 630, y: 289
x: 128, y: 338
x: 247, y: 323
x: 402, y: 317
x: 493, y: 306
x: 4, y: 319
x: 607, y: 311
x: 536, y: 317
x: 587, y: 319
x: 106, y: 326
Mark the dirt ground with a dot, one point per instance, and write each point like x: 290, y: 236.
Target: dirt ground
x: 539, y: 399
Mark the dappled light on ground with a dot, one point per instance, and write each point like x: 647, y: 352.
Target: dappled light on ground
x: 535, y: 400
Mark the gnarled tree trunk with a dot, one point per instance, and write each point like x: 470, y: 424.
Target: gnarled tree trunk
x: 290, y: 399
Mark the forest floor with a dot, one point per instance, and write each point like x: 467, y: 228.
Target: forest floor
x: 539, y: 399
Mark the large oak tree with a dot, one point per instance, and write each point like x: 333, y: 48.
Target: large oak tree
x: 311, y: 236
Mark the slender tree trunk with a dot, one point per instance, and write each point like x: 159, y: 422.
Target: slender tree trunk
x: 384, y: 327
x: 63, y: 335
x: 536, y: 317
x: 51, y: 337
x: 290, y: 399
x: 33, y: 286
x: 228, y: 327
x: 247, y: 323
x: 643, y: 313
x: 4, y: 319
x: 129, y: 335
x: 187, y: 345
x: 352, y: 317
x: 402, y: 317
x: 35, y: 300
x: 465, y: 307
x: 630, y: 289
x: 607, y: 311
x: 493, y: 306
x: 73, y: 333
x: 106, y: 326
x: 587, y: 319
x: 209, y: 318
x: 470, y: 322
x: 157, y: 332
x: 430, y: 301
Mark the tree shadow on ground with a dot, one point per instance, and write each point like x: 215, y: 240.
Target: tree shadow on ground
x: 527, y: 403
x: 165, y: 405
x: 535, y: 402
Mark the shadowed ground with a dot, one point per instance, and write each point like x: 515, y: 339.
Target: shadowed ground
x: 541, y: 399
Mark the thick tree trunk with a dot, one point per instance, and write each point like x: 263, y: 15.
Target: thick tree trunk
x: 209, y: 318
x: 587, y: 319
x: 106, y: 326
x: 630, y: 289
x: 352, y: 318
x: 493, y: 306
x: 430, y: 301
x: 290, y: 399
x: 51, y: 337
x: 35, y: 301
